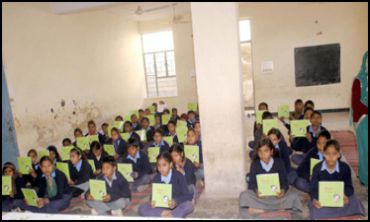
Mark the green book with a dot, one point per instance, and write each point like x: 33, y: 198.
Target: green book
x: 153, y: 152
x: 313, y: 163
x: 7, y: 185
x: 181, y: 124
x: 93, y: 138
x: 97, y: 189
x: 299, y: 127
x: 161, y: 194
x: 31, y: 196
x: 192, y: 153
x: 125, y: 136
x: 142, y: 134
x: 118, y: 125
x: 83, y: 143
x: 331, y: 194
x: 151, y: 119
x: 268, y: 124
x: 283, y: 111
x: 268, y: 184
x: 109, y: 149
x: 64, y: 168
x: 65, y: 151
x: 127, y: 117
x: 181, y: 133
x: 110, y: 127
x: 168, y: 139
x: 42, y: 153
x: 165, y: 119
x: 259, y: 116
x: 92, y: 164
x: 25, y: 164
x: 193, y: 107
x: 126, y: 169
x: 152, y: 109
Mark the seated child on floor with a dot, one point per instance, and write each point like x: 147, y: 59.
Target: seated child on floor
x: 15, y: 196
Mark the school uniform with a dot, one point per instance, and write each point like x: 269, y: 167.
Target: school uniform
x: 190, y: 123
x: 98, y: 161
x: 59, y: 194
x: 342, y: 172
x: 120, y: 146
x: 136, y: 126
x: 180, y: 194
x: 248, y: 198
x: 175, y: 118
x: 140, y: 165
x: 9, y: 203
x: 149, y: 133
x: 28, y: 179
x: 80, y: 174
x: 174, y: 137
x: 293, y: 116
x: 163, y: 146
x: 283, y: 153
x: 303, y: 144
x: 199, y: 173
x: 189, y: 173
x: 119, y: 191
x: 303, y: 171
x: 100, y: 136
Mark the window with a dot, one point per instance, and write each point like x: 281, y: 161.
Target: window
x: 245, y: 30
x: 159, y: 64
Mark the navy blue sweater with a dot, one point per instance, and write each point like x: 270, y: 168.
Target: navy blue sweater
x: 283, y: 152
x: 189, y: 169
x: 343, y: 175
x: 142, y: 165
x: 62, y: 186
x: 277, y: 167
x: 303, y: 169
x: 98, y: 163
x: 19, y: 184
x: 119, y: 189
x: 163, y: 148
x: 82, y: 176
x: 121, y: 149
x: 180, y: 191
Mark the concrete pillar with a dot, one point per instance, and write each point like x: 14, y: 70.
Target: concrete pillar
x: 220, y: 93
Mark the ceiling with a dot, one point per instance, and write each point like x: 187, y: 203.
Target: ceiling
x: 127, y: 8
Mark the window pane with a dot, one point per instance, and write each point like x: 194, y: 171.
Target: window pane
x: 149, y: 64
x: 245, y: 30
x: 160, y: 64
x: 152, y: 86
x: 159, y: 41
x: 171, y: 63
x: 167, y: 87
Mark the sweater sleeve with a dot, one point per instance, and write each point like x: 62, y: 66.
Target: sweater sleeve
x: 252, y: 183
x: 62, y: 184
x: 185, y: 194
x: 348, y: 187
x: 314, y: 184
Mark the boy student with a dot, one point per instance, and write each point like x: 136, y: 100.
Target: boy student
x: 92, y: 131
x: 118, y: 194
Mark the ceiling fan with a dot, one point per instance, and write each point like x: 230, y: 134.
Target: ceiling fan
x: 176, y: 19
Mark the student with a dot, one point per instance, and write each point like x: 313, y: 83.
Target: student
x: 184, y: 166
x: 180, y: 205
x: 118, y: 118
x: 97, y: 154
x: 332, y: 169
x: 265, y: 162
x: 118, y: 193
x: 13, y: 200
x: 282, y: 150
x: 155, y: 108
x: 306, y: 143
x: 67, y: 142
x: 166, y: 111
x: 92, y: 131
x: 261, y: 107
x: 135, y: 122
x: 298, y: 110
x: 80, y: 172
x: 141, y: 166
x: 104, y: 133
x: 192, y: 139
x: 120, y: 146
x: 309, y: 103
x: 172, y: 131
x: 301, y: 143
x: 127, y: 127
x: 35, y: 173
x: 258, y: 134
x: 77, y: 133
x: 145, y: 124
x: 303, y: 171
x: 54, y: 193
x: 141, y: 115
x: 53, y: 154
x: 158, y: 121
x: 174, y: 116
x: 197, y: 130
x: 191, y: 119
x: 158, y: 141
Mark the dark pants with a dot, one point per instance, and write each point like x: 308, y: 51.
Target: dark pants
x: 54, y: 206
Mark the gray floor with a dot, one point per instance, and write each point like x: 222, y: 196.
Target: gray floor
x: 228, y: 208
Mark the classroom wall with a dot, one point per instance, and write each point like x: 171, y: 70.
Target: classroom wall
x: 63, y: 70
x: 277, y: 28
x: 184, y: 59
